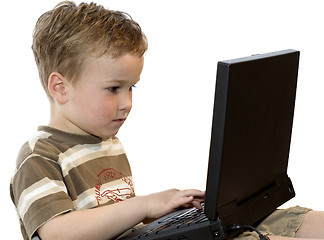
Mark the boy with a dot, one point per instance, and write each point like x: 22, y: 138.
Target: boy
x: 89, y: 59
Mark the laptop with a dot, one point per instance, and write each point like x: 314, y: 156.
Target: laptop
x: 248, y: 159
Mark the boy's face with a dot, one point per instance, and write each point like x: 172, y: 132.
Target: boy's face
x: 101, y: 100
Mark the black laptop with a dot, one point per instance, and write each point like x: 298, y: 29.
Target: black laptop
x: 250, y: 140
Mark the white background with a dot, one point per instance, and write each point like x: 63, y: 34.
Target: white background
x: 167, y: 135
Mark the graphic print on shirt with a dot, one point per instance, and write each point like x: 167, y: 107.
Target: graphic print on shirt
x: 113, y: 185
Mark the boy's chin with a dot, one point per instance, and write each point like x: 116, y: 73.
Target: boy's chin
x: 108, y: 135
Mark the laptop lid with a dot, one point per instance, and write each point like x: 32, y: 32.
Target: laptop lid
x: 250, y: 141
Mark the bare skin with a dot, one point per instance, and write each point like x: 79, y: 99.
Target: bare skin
x: 110, y: 221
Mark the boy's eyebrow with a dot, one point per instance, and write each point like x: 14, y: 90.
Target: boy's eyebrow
x: 119, y: 81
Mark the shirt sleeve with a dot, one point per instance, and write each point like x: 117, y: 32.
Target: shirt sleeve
x: 39, y: 193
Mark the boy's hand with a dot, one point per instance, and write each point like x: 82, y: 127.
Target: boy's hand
x: 162, y: 203
x: 118, y: 217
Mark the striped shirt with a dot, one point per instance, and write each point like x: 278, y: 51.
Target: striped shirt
x: 58, y: 172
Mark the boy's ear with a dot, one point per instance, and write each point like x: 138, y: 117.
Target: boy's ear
x: 57, y: 87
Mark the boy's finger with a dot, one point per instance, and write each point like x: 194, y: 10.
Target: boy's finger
x: 193, y: 192
x: 197, y: 204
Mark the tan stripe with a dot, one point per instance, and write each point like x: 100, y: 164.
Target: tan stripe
x: 36, y: 191
x: 38, y: 135
x: 85, y: 200
x: 80, y: 154
x: 117, y: 189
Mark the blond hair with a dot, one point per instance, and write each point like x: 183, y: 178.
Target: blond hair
x: 64, y: 36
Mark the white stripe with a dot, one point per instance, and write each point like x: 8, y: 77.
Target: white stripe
x: 36, y: 191
x: 80, y: 154
x: 118, y: 189
x: 38, y: 135
x: 88, y: 198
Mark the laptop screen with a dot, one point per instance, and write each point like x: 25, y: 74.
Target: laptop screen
x: 251, y: 132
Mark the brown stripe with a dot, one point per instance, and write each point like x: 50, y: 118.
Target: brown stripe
x: 51, y: 206
x: 32, y: 171
x: 24, y: 152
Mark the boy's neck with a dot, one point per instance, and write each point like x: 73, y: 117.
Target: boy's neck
x: 60, y: 122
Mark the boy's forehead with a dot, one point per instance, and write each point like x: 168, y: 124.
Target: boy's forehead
x: 105, y: 61
x: 114, y: 69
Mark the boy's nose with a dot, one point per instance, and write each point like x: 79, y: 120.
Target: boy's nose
x: 126, y: 102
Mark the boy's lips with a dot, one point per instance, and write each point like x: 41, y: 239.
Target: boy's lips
x: 120, y: 120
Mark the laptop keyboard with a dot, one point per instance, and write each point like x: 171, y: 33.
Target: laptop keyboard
x: 182, y: 219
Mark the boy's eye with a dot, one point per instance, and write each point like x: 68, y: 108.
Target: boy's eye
x: 113, y: 89
x: 118, y: 88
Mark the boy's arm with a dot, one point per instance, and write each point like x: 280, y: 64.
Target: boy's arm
x: 110, y: 221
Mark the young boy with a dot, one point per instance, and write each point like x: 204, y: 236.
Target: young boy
x: 73, y: 180
x: 89, y: 59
